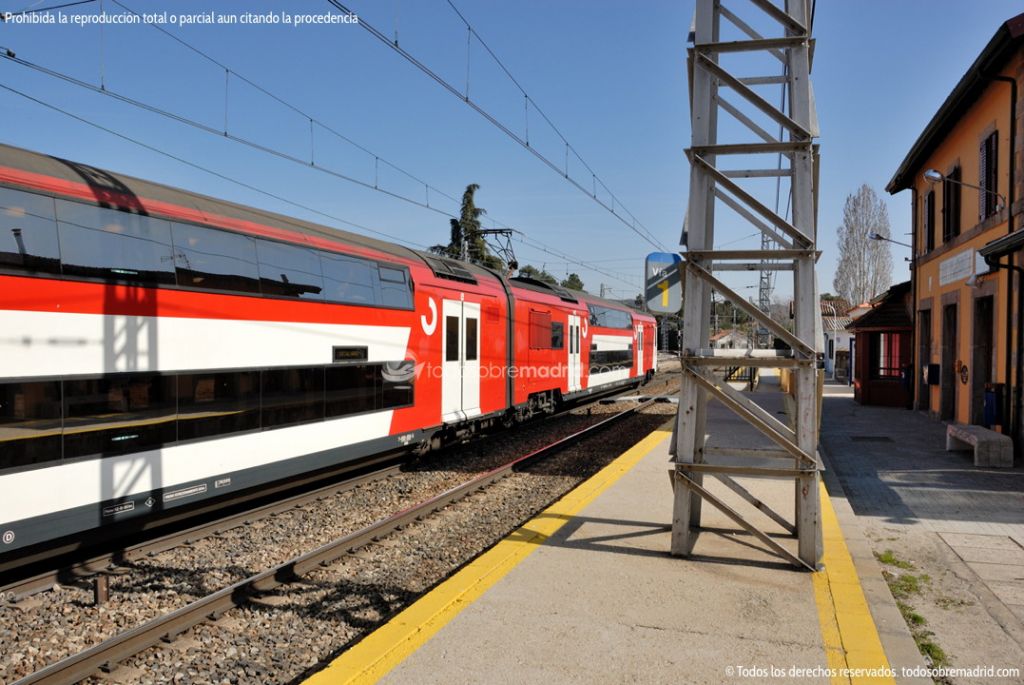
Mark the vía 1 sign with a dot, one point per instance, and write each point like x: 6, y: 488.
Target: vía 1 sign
x: 663, y: 288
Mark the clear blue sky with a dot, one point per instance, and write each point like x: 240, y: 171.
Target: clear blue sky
x: 611, y: 76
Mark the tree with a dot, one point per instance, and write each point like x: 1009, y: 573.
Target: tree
x: 465, y: 240
x: 537, y: 274
x: 865, y: 266
x: 573, y: 282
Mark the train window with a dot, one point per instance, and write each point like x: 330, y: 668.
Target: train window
x: 291, y: 396
x: 351, y: 389
x: 611, y: 360
x: 608, y: 317
x: 104, y: 243
x: 451, y: 342
x: 394, y: 287
x: 118, y: 414
x: 216, y: 403
x: 289, y: 270
x: 557, y: 335
x: 397, y: 380
x: 217, y: 260
x: 540, y: 330
x: 30, y: 423
x: 349, y: 279
x: 471, y: 340
x: 28, y: 233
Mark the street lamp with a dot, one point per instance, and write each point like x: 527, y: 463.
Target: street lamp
x: 872, y: 235
x: 935, y: 176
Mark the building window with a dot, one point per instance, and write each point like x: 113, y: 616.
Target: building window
x: 886, y: 360
x: 951, y: 205
x: 929, y: 221
x: 987, y: 177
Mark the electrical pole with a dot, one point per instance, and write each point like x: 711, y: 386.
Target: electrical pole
x: 788, y: 245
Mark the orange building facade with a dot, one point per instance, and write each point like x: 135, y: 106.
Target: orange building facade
x: 967, y: 331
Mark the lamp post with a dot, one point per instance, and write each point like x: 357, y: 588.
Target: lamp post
x: 872, y: 235
x: 934, y: 176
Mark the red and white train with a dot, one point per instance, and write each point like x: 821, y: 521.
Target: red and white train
x: 159, y: 348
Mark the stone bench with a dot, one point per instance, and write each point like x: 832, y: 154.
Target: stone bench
x: 990, y: 448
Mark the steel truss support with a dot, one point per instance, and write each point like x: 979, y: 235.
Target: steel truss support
x: 788, y: 246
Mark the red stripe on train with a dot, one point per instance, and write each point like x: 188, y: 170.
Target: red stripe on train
x: 75, y: 297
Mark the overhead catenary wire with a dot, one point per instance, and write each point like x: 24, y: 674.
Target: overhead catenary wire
x: 628, y: 219
x: 538, y: 245
x: 252, y: 144
x: 225, y: 134
x: 230, y: 74
x: 234, y: 73
x: 523, y: 238
x: 202, y: 168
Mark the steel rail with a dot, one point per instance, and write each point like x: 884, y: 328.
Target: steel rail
x: 108, y: 654
x: 106, y: 562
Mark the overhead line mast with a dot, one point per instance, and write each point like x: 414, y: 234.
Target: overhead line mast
x: 789, y: 245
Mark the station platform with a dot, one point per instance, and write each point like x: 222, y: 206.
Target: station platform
x: 586, y: 592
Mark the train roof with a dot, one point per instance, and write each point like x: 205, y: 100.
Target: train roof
x: 106, y: 184
x: 110, y: 187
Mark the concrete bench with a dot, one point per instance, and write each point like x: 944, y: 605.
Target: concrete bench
x: 990, y: 448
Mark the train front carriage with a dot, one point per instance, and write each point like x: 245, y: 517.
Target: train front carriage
x: 161, y: 348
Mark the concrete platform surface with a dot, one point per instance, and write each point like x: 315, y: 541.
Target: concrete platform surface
x: 586, y: 592
x: 602, y: 602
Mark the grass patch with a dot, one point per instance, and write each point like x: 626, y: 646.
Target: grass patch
x: 931, y: 650
x: 945, y: 602
x: 912, y: 618
x: 903, y: 586
x: 889, y: 558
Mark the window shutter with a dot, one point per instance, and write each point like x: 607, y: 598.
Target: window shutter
x: 993, y: 172
x: 983, y: 179
x: 929, y: 220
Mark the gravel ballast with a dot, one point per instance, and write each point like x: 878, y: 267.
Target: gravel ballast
x: 285, y: 634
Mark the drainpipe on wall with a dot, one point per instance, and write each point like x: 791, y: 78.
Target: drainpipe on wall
x: 1013, y: 397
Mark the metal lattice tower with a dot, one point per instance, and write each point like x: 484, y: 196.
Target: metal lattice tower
x: 763, y: 339
x: 788, y: 245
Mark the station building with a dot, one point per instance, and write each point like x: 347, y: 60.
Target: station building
x: 966, y: 180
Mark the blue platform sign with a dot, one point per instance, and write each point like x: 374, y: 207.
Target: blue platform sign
x: 663, y: 288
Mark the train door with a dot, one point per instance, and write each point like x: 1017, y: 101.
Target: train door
x: 640, y: 351
x: 575, y: 369
x: 460, y: 368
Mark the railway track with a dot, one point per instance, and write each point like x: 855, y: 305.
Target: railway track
x: 99, y: 567
x: 106, y: 655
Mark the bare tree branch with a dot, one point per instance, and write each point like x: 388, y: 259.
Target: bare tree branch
x: 865, y: 266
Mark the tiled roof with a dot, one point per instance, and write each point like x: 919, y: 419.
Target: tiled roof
x: 835, y: 323
x: 890, y: 312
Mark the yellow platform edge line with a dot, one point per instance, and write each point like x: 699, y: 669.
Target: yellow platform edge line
x: 853, y: 649
x: 375, y: 655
